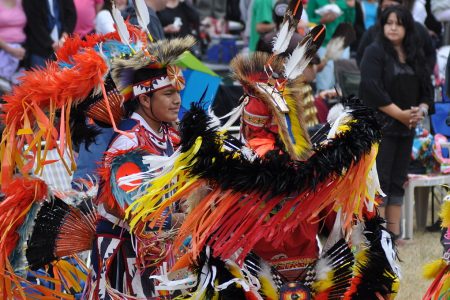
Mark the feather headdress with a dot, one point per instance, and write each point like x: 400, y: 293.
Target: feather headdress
x: 288, y: 27
x: 304, y: 52
x: 273, y: 102
x: 161, y: 55
x: 142, y: 16
x: 279, y: 96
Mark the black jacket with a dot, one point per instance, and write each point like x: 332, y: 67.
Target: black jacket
x: 39, y: 41
x: 380, y: 86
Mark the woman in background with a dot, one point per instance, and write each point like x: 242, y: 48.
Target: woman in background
x: 395, y: 81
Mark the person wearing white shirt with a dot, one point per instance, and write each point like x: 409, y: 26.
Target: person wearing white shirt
x: 104, y: 22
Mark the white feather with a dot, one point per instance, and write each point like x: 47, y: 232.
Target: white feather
x: 122, y: 29
x: 334, y: 113
x: 233, y: 116
x: 283, y: 38
x: 373, y: 187
x: 297, y: 62
x: 323, y: 268
x: 388, y: 246
x: 357, y: 237
x: 336, y: 233
x: 343, y: 118
x: 265, y: 272
x: 335, y: 48
x: 142, y: 14
x: 215, y: 121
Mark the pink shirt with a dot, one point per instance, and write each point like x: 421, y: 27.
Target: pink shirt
x: 12, y: 23
x: 85, y: 15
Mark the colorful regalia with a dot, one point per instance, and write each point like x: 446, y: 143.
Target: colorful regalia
x: 252, y: 205
x: 41, y: 232
x: 251, y: 198
x: 123, y: 261
x: 40, y: 114
x: 440, y: 268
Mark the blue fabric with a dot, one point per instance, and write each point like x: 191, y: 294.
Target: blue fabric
x: 55, y: 19
x: 88, y: 159
x: 198, y: 83
x: 124, y: 125
x: 438, y: 118
x: 370, y: 14
x: 37, y: 61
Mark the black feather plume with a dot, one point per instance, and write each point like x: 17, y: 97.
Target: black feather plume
x: 376, y: 274
x: 42, y: 243
x: 277, y: 173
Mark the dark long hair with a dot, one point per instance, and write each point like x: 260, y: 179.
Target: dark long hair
x: 380, y: 2
x: 107, y: 5
x: 411, y: 44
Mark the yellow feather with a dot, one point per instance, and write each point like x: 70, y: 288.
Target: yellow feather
x: 234, y: 269
x: 432, y: 269
x: 343, y: 128
x: 395, y: 288
x: 323, y: 285
x: 445, y: 214
x: 361, y: 259
x: 268, y: 287
x: 160, y: 186
x: 300, y: 139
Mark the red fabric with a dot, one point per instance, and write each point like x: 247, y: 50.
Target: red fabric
x: 261, y: 145
x: 301, y: 244
x: 322, y: 109
x: 258, y: 108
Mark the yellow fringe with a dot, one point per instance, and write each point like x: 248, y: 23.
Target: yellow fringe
x: 432, y: 269
x: 300, y: 140
x: 71, y: 275
x: 154, y: 198
x: 395, y: 288
x: 445, y: 214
